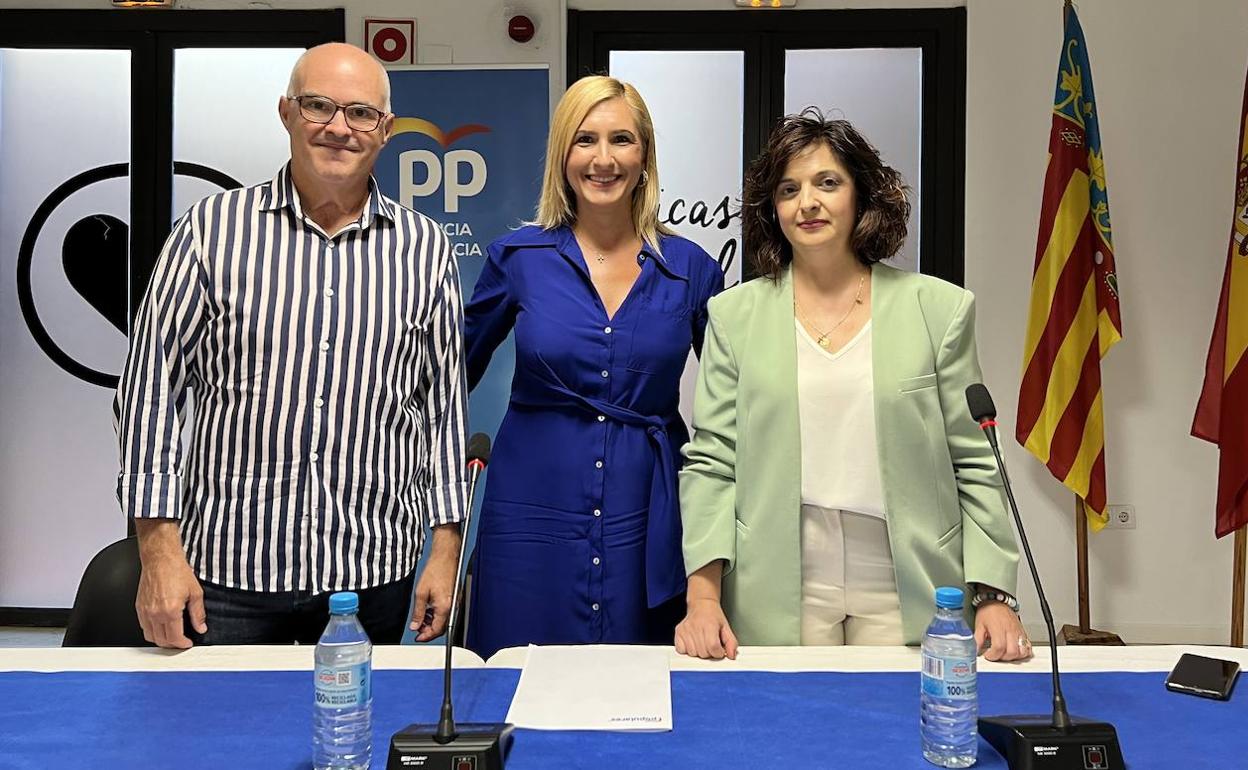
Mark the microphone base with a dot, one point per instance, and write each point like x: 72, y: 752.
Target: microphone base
x: 476, y: 746
x: 1030, y: 742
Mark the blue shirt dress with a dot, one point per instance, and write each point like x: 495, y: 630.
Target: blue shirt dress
x: 579, y: 535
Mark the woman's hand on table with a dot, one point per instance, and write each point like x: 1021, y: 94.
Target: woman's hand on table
x: 705, y: 633
x: 999, y: 633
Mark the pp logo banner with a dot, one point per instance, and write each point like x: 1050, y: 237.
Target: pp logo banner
x: 391, y: 41
x: 467, y: 149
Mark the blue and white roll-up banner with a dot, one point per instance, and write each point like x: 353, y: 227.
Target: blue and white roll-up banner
x: 467, y: 150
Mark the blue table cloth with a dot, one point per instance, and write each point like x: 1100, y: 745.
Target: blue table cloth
x: 722, y: 720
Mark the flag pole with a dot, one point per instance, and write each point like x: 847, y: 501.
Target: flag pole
x: 1081, y: 543
x: 1237, y: 588
x: 1084, y: 633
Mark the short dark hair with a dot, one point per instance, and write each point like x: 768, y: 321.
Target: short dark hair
x: 883, y: 205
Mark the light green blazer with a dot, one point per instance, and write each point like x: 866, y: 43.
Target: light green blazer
x: 740, y: 488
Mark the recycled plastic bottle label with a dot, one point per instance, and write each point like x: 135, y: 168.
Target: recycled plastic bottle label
x: 344, y: 687
x: 949, y: 677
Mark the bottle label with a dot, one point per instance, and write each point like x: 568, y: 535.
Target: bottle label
x: 952, y: 678
x: 344, y: 686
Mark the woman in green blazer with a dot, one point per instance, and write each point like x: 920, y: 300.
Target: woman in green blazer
x: 835, y: 380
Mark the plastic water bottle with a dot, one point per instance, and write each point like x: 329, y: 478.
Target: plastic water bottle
x: 342, y: 737
x: 949, y: 700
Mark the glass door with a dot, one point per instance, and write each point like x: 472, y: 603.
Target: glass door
x: 64, y: 257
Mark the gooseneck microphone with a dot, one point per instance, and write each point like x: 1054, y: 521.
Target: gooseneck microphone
x: 484, y: 745
x: 985, y: 413
x: 478, y: 457
x: 1033, y: 742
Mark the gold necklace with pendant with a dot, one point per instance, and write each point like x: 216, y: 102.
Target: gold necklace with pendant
x: 823, y: 340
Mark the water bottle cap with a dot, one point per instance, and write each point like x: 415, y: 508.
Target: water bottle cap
x: 949, y: 598
x: 346, y: 602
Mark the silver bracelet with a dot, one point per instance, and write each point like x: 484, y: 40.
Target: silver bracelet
x: 994, y: 596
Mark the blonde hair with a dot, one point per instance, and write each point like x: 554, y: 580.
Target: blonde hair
x: 557, y: 206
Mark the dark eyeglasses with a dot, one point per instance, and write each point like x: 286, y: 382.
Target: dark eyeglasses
x: 318, y: 109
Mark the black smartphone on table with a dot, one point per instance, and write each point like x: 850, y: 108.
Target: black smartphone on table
x: 1206, y: 677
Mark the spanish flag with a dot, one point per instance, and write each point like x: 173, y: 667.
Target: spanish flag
x: 1222, y: 412
x: 1073, y: 319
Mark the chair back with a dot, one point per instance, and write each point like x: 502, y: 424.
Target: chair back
x: 104, y: 613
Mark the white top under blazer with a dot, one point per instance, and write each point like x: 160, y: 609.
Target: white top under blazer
x: 836, y: 405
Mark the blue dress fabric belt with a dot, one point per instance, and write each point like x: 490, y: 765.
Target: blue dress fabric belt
x: 665, y: 564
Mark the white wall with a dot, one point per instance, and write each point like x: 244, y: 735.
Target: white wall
x: 1169, y: 77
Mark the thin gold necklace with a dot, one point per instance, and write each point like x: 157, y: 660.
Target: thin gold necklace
x: 599, y: 255
x: 823, y: 340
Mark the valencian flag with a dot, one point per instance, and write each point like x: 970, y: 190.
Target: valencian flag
x: 1222, y: 412
x: 1073, y: 319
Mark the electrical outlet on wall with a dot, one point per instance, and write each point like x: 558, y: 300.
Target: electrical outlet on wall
x: 1120, y: 516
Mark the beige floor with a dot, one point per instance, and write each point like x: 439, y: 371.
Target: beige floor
x: 15, y: 636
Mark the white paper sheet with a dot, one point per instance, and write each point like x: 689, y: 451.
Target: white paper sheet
x: 594, y: 687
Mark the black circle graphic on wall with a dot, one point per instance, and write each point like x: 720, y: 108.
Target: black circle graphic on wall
x: 94, y: 255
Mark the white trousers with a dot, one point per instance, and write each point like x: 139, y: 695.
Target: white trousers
x: 849, y: 589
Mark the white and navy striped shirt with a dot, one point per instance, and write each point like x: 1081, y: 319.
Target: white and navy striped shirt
x: 327, y: 388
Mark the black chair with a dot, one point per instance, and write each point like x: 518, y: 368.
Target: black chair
x: 103, y: 613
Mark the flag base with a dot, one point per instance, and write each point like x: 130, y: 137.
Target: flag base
x: 1074, y: 635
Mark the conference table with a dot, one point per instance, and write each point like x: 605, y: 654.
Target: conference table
x: 773, y: 707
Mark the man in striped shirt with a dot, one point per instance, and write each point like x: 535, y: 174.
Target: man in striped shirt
x: 317, y: 325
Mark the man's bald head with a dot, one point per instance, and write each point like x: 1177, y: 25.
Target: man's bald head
x: 342, y: 57
x: 334, y: 155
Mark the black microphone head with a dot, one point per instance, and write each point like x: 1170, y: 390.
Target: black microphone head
x: 479, y: 448
x: 980, y: 403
